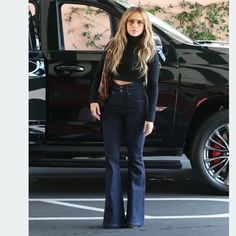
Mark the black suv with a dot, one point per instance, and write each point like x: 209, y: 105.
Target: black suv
x: 66, y: 39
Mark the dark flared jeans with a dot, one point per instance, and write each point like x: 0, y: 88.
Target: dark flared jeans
x: 123, y: 120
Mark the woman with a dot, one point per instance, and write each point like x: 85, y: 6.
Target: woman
x: 129, y: 113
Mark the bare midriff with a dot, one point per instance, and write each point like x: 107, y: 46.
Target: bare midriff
x: 121, y: 82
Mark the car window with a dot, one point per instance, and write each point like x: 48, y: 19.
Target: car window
x: 84, y: 27
x: 34, y: 44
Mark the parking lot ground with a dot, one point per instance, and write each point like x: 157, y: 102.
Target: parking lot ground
x: 164, y: 216
x: 70, y: 202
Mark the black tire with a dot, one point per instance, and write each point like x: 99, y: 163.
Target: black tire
x: 210, y: 154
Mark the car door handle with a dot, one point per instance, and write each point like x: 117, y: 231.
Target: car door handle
x: 70, y: 68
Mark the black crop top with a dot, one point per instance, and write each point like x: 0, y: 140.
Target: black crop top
x: 126, y: 72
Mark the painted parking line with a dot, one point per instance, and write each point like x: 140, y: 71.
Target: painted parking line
x: 73, y: 205
x: 146, y: 199
x: 64, y: 202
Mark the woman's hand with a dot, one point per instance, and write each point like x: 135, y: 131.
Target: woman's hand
x: 95, y: 110
x: 148, y: 127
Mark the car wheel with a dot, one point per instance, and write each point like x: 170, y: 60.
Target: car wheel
x: 210, y: 152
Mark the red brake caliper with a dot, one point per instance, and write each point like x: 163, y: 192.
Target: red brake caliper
x: 215, y: 153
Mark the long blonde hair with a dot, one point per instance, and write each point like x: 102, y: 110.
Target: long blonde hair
x: 146, y: 46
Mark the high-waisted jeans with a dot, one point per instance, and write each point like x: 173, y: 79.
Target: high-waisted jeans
x: 123, y: 120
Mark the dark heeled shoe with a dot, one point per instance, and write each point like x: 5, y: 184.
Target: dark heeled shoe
x: 132, y: 226
x: 105, y: 226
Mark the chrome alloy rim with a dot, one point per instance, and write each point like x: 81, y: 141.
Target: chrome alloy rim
x: 216, y: 154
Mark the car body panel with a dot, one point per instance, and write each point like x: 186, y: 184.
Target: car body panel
x: 191, y: 74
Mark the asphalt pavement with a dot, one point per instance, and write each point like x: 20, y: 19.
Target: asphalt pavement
x: 70, y: 202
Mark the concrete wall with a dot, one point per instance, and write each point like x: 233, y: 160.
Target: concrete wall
x: 173, y: 2
x: 170, y: 13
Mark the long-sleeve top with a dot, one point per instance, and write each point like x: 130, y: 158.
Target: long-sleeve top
x: 127, y: 72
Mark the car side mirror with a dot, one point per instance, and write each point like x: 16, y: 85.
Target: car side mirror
x: 162, y: 52
x: 161, y: 49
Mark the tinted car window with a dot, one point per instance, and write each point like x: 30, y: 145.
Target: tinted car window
x: 34, y: 44
x: 84, y: 27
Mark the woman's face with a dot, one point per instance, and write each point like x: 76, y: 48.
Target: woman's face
x: 135, y: 24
